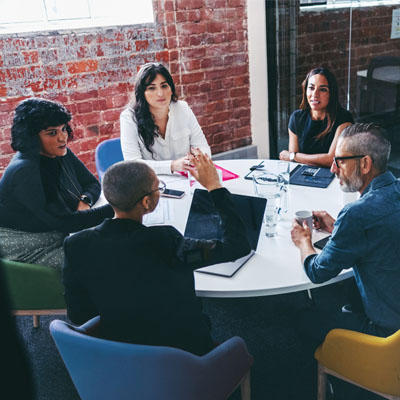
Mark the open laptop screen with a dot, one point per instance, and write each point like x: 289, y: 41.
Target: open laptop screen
x: 204, y: 221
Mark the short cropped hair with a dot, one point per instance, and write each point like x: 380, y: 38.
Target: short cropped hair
x: 125, y: 182
x: 370, y: 140
x: 32, y: 116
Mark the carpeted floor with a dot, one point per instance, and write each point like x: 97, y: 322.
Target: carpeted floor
x: 265, y: 323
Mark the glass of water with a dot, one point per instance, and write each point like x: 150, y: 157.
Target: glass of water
x: 284, y: 174
x: 267, y: 185
x: 271, y: 221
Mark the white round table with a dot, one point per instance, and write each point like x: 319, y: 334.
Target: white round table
x: 276, y: 267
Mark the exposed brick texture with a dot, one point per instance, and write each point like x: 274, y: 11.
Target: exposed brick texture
x: 203, y: 42
x: 323, y: 39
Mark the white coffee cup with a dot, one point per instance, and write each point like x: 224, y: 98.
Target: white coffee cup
x: 304, y: 215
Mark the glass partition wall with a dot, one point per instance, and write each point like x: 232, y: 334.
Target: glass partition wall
x: 359, y: 41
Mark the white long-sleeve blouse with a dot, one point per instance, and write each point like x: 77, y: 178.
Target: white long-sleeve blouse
x: 182, y: 132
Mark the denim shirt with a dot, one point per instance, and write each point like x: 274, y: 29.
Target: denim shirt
x: 366, y: 237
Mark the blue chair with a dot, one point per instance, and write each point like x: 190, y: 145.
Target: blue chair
x: 107, y: 153
x: 104, y: 369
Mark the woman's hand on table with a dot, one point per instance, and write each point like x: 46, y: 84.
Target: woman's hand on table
x: 284, y: 155
x: 180, y: 164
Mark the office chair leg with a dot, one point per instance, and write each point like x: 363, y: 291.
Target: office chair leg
x: 245, y: 390
x: 321, y: 382
x: 36, y: 321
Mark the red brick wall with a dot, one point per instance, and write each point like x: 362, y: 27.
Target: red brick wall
x: 323, y: 39
x: 203, y: 42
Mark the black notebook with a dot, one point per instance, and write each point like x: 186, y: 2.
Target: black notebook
x: 304, y: 175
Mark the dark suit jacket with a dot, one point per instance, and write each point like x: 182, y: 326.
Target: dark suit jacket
x: 140, y: 279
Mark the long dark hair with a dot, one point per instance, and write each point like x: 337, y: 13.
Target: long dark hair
x: 141, y: 113
x: 32, y: 116
x: 333, y: 105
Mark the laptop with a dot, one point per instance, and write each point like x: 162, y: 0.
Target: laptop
x: 204, y: 222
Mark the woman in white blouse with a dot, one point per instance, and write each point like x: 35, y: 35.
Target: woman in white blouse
x: 157, y: 127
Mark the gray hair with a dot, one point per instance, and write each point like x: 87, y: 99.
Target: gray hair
x: 370, y: 140
x: 125, y: 182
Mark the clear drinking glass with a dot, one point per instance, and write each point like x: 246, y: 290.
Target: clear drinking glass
x: 268, y: 185
x: 284, y: 173
x: 271, y: 222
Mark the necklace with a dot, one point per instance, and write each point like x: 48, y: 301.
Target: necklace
x: 77, y: 195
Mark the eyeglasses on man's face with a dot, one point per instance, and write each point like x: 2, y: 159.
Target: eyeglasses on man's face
x: 338, y: 161
x: 161, y: 188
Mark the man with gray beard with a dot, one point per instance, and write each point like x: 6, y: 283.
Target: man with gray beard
x: 364, y: 237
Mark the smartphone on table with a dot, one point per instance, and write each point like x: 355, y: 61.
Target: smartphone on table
x: 175, y: 194
x: 320, y: 244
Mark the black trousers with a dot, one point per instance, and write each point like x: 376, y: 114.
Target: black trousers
x: 315, y: 323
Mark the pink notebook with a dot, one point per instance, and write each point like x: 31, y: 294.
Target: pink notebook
x: 226, y: 175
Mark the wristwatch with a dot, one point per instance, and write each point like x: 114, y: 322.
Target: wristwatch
x: 86, y: 199
x: 292, y: 156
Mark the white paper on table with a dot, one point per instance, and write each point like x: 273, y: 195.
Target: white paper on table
x: 170, y: 179
x: 163, y: 214
x: 176, y: 182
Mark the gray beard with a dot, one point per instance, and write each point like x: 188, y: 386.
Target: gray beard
x: 353, y: 184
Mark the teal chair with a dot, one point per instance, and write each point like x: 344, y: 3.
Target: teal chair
x: 34, y: 290
x: 103, y: 369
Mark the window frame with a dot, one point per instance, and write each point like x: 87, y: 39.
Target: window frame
x: 335, y: 4
x: 72, y: 24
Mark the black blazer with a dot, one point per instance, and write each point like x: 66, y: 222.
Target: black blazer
x: 140, y: 279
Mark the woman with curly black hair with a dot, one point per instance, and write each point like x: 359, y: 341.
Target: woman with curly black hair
x: 45, y: 192
x: 156, y: 126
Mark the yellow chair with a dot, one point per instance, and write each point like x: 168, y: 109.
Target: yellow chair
x: 370, y: 362
x: 34, y: 290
